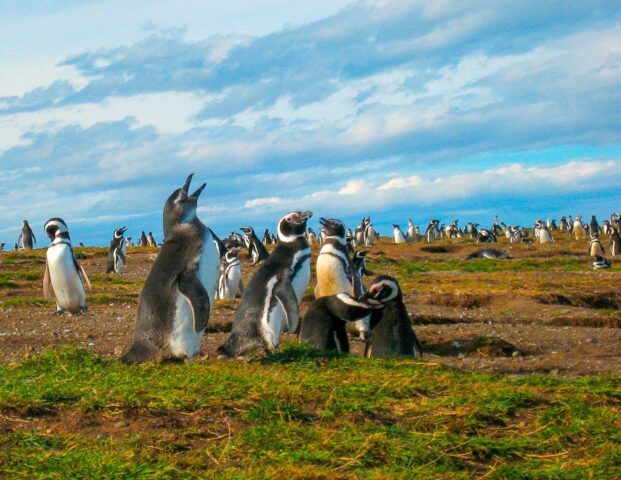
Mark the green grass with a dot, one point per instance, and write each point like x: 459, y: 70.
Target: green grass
x: 490, y: 266
x: 25, y: 300
x: 302, y: 413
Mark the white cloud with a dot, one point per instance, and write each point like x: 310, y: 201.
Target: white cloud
x: 259, y: 202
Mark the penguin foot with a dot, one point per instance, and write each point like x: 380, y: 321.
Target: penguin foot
x: 57, y: 312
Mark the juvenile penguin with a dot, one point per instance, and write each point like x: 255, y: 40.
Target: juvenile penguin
x: 274, y: 291
x: 334, y: 268
x: 398, y: 234
x: 230, y: 275
x: 177, y: 295
x: 63, y: 274
x: 392, y: 332
x: 323, y: 324
x: 26, y: 238
x: 116, y: 252
x: 256, y: 250
x: 614, y: 244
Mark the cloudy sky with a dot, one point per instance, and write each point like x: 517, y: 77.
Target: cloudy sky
x: 396, y: 109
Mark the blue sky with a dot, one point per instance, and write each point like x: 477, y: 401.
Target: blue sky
x: 418, y: 109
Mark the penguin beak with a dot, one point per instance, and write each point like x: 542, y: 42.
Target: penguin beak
x: 122, y: 230
x: 197, y: 193
x: 303, y: 217
x: 186, y: 185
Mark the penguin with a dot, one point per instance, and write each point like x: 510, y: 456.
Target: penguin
x: 63, y: 274
x: 322, y: 235
x: 606, y: 227
x: 412, y: 234
x: 15, y: 247
x: 256, y: 250
x: 370, y: 234
x: 81, y: 244
x: 579, y: 231
x: 593, y: 226
x: 486, y: 236
x: 276, y: 289
x: 311, y: 237
x: 323, y: 324
x: 151, y: 241
x: 563, y: 224
x: 359, y: 234
x: 267, y: 238
x: 116, y: 252
x: 334, y: 267
x: 176, y: 298
x: 600, y: 263
x: 128, y: 242
x: 432, y: 232
x: 490, y: 253
x: 230, y: 275
x: 392, y: 331
x: 2, y: 246
x: 595, y: 247
x: 26, y: 238
x: 544, y: 235
x: 614, y: 244
x: 472, y: 230
x: 143, y: 240
x: 359, y: 268
x: 398, y: 234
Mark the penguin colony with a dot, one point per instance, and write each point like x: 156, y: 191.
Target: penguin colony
x: 194, y: 267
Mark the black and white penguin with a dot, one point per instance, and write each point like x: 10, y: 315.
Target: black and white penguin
x: 63, y: 274
x: 596, y: 248
x: 579, y: 231
x: 614, y: 244
x: 323, y: 324
x: 392, y: 331
x: 432, y: 231
x: 486, y: 236
x: 178, y: 293
x: 398, y: 235
x: 230, y: 275
x: 256, y: 250
x: 600, y: 263
x: 2, y: 246
x: 359, y: 268
x: 606, y: 227
x: 563, y: 224
x: 128, y: 242
x: 26, y: 238
x: 472, y: 230
x: 143, y: 240
x: 412, y: 234
x: 359, y: 234
x: 151, y: 241
x: 370, y: 234
x: 593, y: 226
x: 333, y: 268
x: 116, y: 252
x: 267, y: 237
x: 274, y: 292
x: 311, y: 237
x: 543, y: 234
x: 490, y: 253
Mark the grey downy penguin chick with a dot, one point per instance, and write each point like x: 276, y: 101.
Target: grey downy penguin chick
x: 274, y: 292
x: 392, y: 332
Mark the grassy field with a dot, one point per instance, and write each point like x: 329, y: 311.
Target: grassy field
x: 548, y: 406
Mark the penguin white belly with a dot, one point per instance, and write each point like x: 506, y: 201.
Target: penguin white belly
x: 231, y: 283
x: 184, y: 342
x: 399, y: 238
x: 331, y: 276
x: 302, y: 277
x: 209, y: 267
x: 272, y: 315
x: 66, y: 281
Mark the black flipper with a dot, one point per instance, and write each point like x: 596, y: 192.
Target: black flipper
x: 288, y: 300
x: 192, y: 289
x: 341, y: 336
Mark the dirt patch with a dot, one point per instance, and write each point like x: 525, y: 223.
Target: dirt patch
x: 481, y: 346
x: 602, y: 300
x: 460, y: 299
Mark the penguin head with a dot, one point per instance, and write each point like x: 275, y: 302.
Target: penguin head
x: 333, y: 227
x: 249, y: 231
x: 360, y: 263
x: 384, y: 289
x: 293, y: 225
x: 56, y: 227
x: 119, y: 232
x: 181, y: 205
x: 231, y: 254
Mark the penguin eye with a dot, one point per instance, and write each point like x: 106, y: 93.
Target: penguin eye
x: 289, y: 218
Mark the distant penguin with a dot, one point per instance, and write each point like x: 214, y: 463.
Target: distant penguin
x: 143, y: 240
x: 593, y: 226
x: 370, y: 234
x: 115, y: 260
x: 486, y: 236
x: 63, y: 274
x: 2, y: 246
x: 15, y: 246
x: 579, y: 231
x: 490, y: 253
x: 595, y: 247
x: 334, y: 267
x: 230, y: 275
x: 359, y: 234
x: 178, y: 293
x: 128, y: 242
x: 398, y: 234
x: 544, y: 235
x: 311, y: 237
x: 256, y: 250
x: 472, y: 230
x: 274, y: 291
x: 412, y: 234
x: 614, y: 244
x: 267, y: 237
x: 26, y: 238
x: 563, y: 224
x: 600, y: 263
x: 359, y: 267
x: 151, y: 241
x: 323, y: 324
x: 606, y: 227
x: 392, y: 331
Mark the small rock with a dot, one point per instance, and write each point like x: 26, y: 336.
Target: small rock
x: 516, y: 354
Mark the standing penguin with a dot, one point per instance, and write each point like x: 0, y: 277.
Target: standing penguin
x: 116, y: 252
x: 544, y: 235
x: 256, y: 249
x: 392, y: 332
x: 593, y: 226
x: 230, y: 275
x: 63, y: 274
x: 614, y: 244
x: 143, y: 240
x: 267, y: 237
x: 359, y: 268
x: 398, y: 234
x: 275, y: 290
x: 370, y: 234
x: 323, y: 325
x: 311, y: 237
x: 579, y: 231
x: 151, y: 241
x: 177, y: 295
x: 412, y: 235
x: 334, y: 268
x: 26, y: 238
x: 595, y: 247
